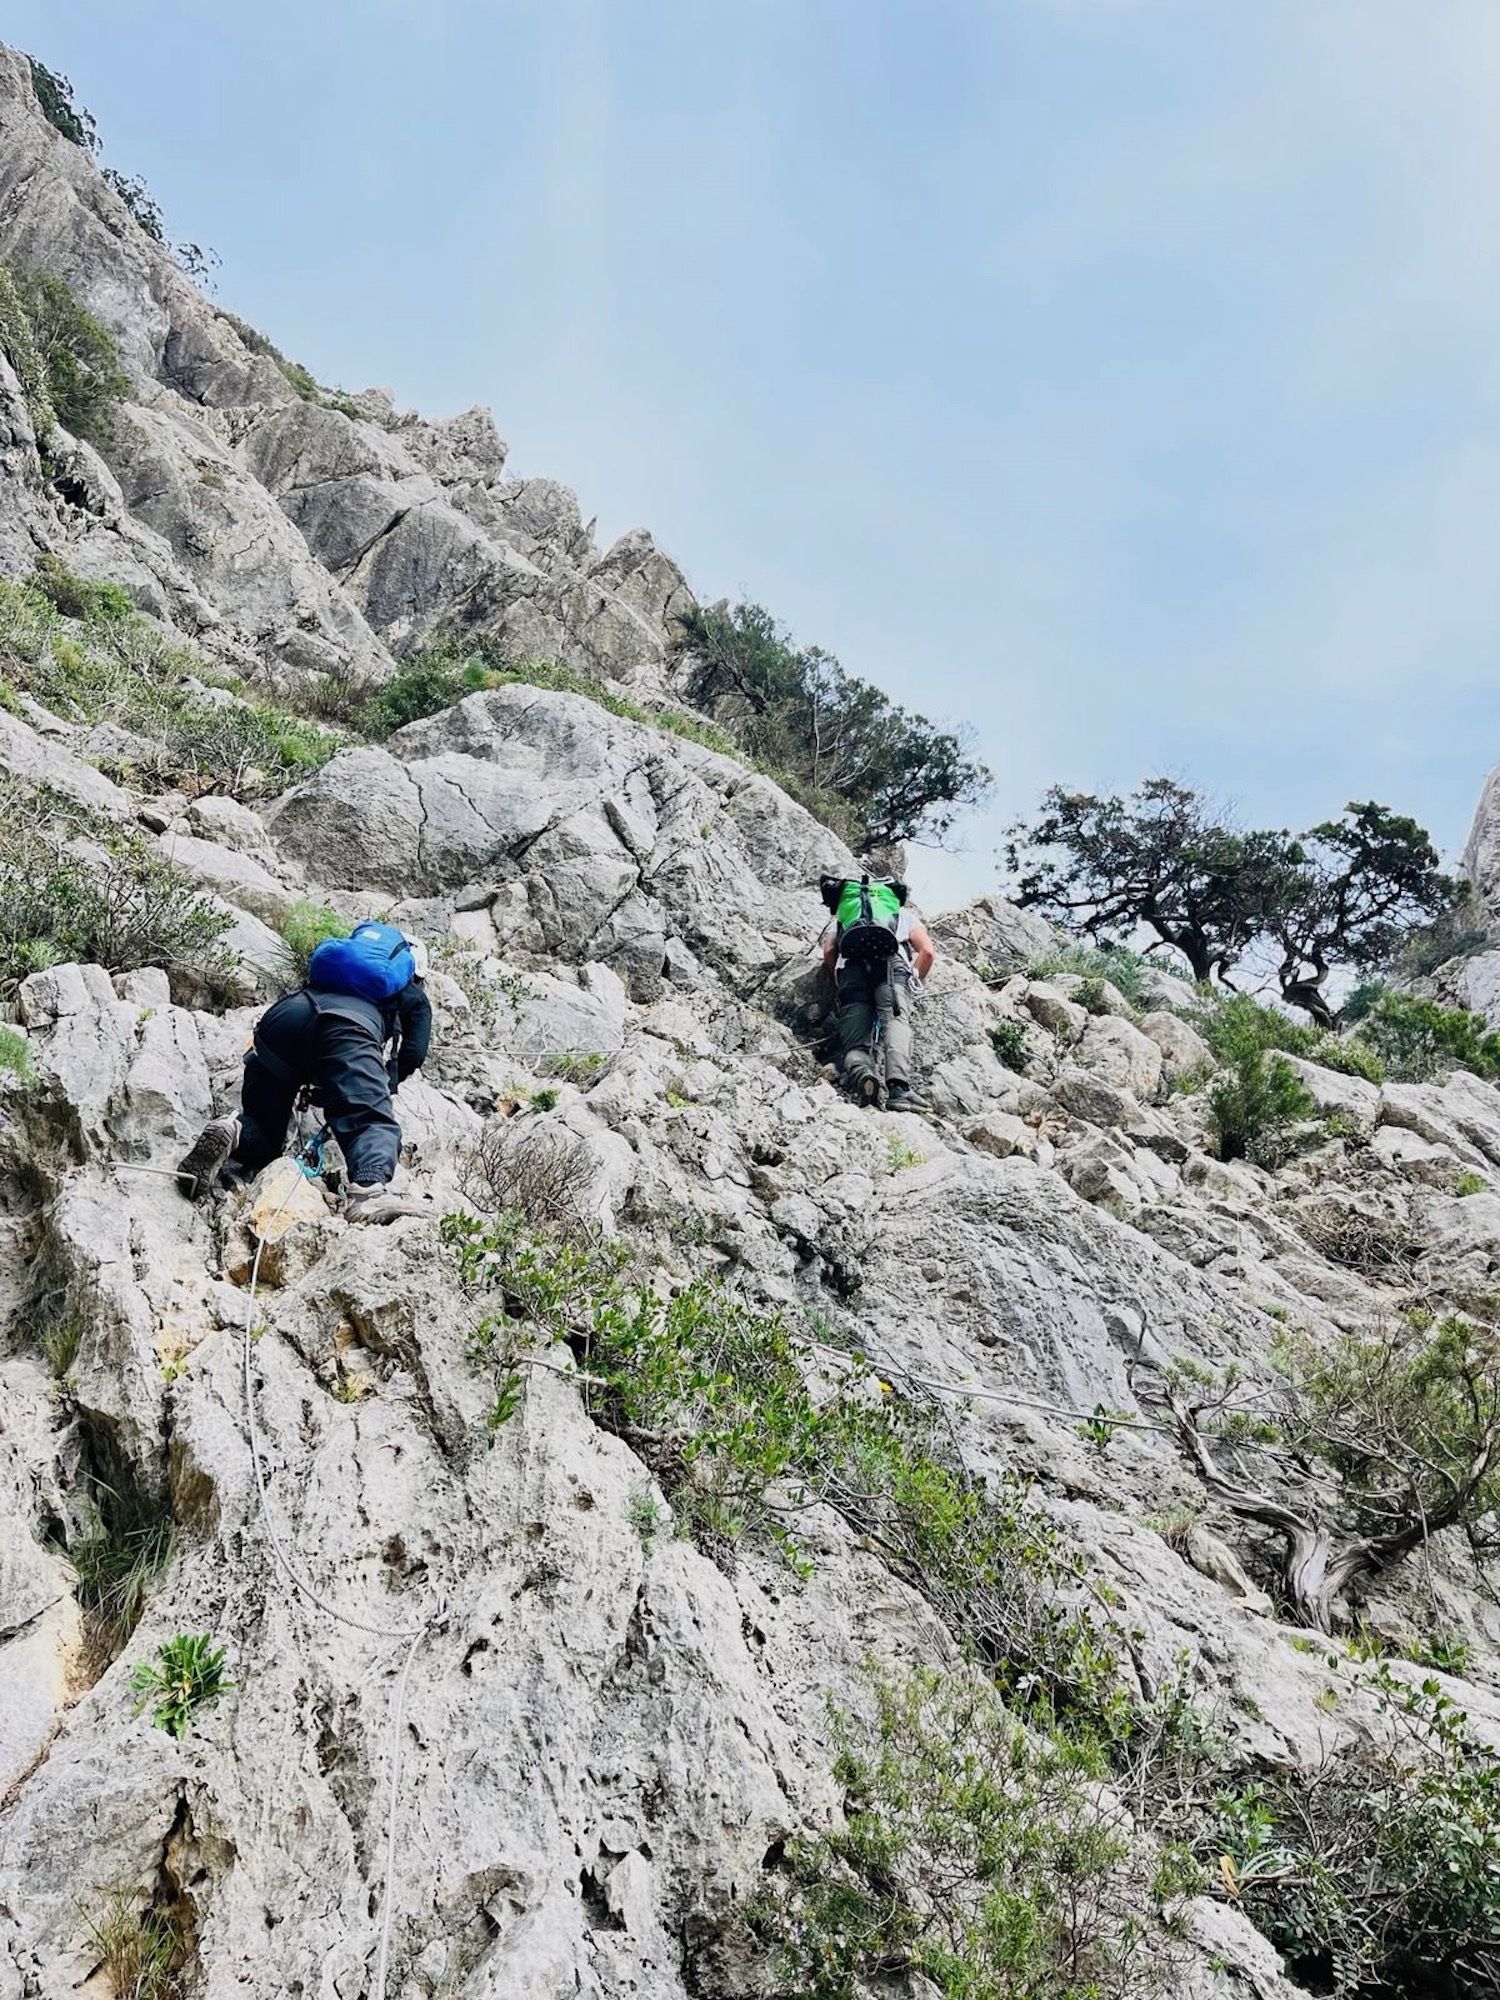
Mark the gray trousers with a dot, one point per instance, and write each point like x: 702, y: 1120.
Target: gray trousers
x: 864, y: 999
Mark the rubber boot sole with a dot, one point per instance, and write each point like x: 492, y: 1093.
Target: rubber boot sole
x: 199, y: 1168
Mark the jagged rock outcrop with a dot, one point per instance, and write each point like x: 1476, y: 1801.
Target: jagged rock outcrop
x: 292, y: 533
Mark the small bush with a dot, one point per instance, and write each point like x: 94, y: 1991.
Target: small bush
x: 1351, y: 1056
x: 971, y: 1855
x: 1124, y: 970
x: 19, y: 342
x: 83, y: 651
x: 1376, y: 1873
x: 1418, y: 1040
x: 1008, y: 1040
x: 304, y: 927
x: 1254, y: 1106
x: 84, y: 378
x: 76, y: 596
x: 899, y: 1155
x: 1468, y: 1183
x: 188, y: 1675
x: 117, y: 1565
x: 542, y: 1173
x: 117, y: 904
x: 712, y: 1392
x: 15, y: 1054
x: 433, y: 681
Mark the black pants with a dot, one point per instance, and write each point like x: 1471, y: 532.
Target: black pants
x: 344, y: 1062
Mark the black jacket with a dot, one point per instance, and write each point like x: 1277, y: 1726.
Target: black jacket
x: 281, y: 1035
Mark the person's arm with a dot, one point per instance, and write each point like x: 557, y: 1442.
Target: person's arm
x: 831, y: 947
x: 923, y: 951
x: 414, y: 1012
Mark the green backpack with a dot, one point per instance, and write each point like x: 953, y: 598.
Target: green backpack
x: 868, y: 916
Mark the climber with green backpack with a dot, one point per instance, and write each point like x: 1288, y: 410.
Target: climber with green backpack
x: 329, y: 1038
x: 879, y: 953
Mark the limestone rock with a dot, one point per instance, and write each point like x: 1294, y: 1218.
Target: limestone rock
x: 1119, y: 1054
x: 1055, y: 1011
x: 1349, y: 1098
x: 1184, y: 1053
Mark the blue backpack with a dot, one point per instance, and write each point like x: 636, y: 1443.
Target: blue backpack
x: 374, y: 962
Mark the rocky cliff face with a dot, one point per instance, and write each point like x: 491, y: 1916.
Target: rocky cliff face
x: 296, y: 536
x: 607, y: 1732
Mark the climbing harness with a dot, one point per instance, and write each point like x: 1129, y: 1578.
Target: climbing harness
x: 413, y: 1636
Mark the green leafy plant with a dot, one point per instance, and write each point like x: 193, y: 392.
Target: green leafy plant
x: 899, y: 1155
x: 120, y: 905
x: 970, y: 1854
x: 1375, y: 1873
x: 304, y: 927
x: 15, y: 1054
x: 82, y: 650
x: 1008, y: 1040
x: 85, y: 382
x: 1123, y: 969
x: 1466, y: 1184
x: 1417, y: 1040
x: 78, y: 597
x: 1255, y: 1105
x: 719, y: 1399
x: 1446, y: 1651
x: 186, y: 1676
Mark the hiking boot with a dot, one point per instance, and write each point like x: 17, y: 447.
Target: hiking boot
x: 901, y: 1097
x: 201, y: 1166
x: 376, y: 1203
x: 867, y: 1090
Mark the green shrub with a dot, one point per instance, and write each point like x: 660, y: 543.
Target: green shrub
x: 1124, y: 970
x: 19, y: 342
x: 1418, y: 1039
x: 972, y: 1855
x: 1376, y: 1872
x: 78, y: 597
x: 118, y: 904
x: 1471, y: 1183
x: 82, y: 650
x: 443, y: 673
x: 15, y: 1053
x: 304, y: 927
x: 1255, y: 1104
x: 1008, y: 1040
x: 432, y: 681
x: 1237, y: 1025
x: 1351, y: 1055
x: 188, y: 1675
x: 82, y: 364
x: 713, y: 1393
x: 54, y: 93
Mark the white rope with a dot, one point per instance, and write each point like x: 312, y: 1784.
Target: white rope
x: 413, y: 1635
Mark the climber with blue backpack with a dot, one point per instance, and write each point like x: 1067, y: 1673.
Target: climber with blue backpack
x: 361, y: 994
x: 879, y: 953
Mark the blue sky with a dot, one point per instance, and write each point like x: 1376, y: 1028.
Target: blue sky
x: 1119, y: 376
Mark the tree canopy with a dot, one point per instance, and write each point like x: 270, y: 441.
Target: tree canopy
x: 876, y: 772
x: 1342, y: 895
